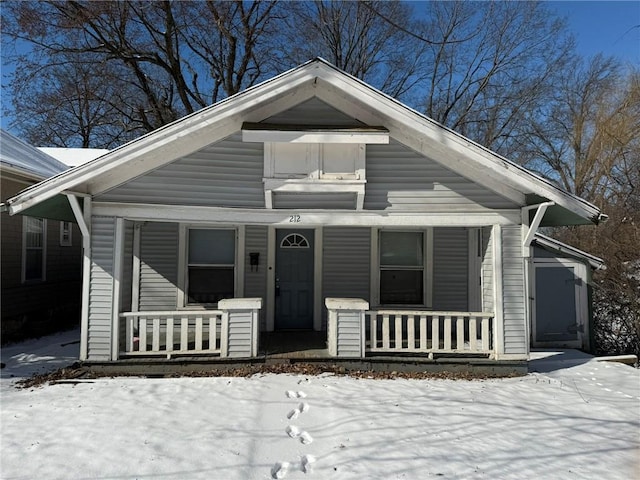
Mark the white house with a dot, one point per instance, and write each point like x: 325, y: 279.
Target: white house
x: 310, y: 202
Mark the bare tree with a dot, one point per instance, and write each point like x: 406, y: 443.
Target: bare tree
x: 358, y: 37
x: 170, y: 58
x: 490, y: 64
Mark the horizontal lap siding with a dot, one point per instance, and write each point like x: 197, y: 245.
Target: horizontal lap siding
x: 240, y: 334
x: 101, y: 288
x: 312, y: 112
x: 329, y: 201
x: 349, y: 334
x: 127, y: 267
x: 487, y: 270
x: 450, y: 269
x: 158, y: 266
x: 255, y: 278
x: 225, y: 174
x: 399, y: 178
x: 515, y: 334
x: 346, y: 263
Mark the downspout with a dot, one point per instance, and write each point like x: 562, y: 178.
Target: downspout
x: 83, y: 218
x: 528, y: 236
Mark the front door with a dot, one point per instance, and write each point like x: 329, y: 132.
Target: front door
x: 294, y: 279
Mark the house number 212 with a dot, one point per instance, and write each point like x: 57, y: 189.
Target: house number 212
x: 294, y: 218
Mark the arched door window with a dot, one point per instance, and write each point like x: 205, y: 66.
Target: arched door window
x: 294, y: 240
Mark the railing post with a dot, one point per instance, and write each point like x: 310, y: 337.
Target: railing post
x: 346, y: 326
x: 240, y: 321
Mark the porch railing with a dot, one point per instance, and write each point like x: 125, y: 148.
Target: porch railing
x: 405, y: 331
x: 178, y: 332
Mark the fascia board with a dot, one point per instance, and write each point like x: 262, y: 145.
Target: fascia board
x: 184, y: 135
x: 487, y: 167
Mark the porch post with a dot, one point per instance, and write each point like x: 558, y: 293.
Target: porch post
x: 240, y: 317
x: 346, y: 326
x: 498, y: 305
x: 118, y: 257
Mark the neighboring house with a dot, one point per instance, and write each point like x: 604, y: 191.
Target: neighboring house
x: 309, y: 202
x: 41, y: 258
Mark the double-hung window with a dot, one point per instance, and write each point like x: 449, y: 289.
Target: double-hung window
x: 33, y: 248
x: 402, y: 268
x: 210, y: 265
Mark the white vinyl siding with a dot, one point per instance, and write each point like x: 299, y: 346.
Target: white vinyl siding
x: 450, y: 269
x: 313, y: 112
x: 158, y: 266
x: 515, y: 332
x: 101, y: 288
x: 487, y: 270
x: 225, y: 174
x: 255, y: 284
x: 400, y: 179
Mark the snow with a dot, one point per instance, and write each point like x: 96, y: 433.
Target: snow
x: 74, y: 156
x: 574, y: 417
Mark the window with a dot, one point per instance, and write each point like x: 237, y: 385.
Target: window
x: 402, y: 269
x: 210, y: 265
x: 33, y: 248
x: 65, y: 234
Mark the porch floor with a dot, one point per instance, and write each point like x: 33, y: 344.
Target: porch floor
x: 294, y: 344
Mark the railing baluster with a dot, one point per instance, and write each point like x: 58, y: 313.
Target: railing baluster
x: 213, y: 321
x: 411, y: 332
x: 373, y: 330
x: 129, y: 334
x: 485, y: 333
x: 435, y: 332
x: 459, y: 333
x: 423, y: 333
x: 169, y: 339
x: 447, y: 332
x: 385, y: 332
x: 473, y: 334
x: 398, y: 320
x: 198, y: 345
x: 142, y: 334
x: 155, y: 344
x: 184, y: 334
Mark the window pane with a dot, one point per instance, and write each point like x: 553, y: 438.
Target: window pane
x: 209, y: 285
x: 216, y: 247
x: 34, y: 230
x: 401, y: 287
x: 401, y: 249
x: 33, y: 264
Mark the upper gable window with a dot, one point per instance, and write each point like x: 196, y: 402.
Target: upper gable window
x: 333, y: 161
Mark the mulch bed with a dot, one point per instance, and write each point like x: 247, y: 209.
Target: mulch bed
x: 77, y: 373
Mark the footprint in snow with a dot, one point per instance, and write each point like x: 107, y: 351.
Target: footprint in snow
x: 298, y: 394
x: 306, y: 463
x: 293, y: 414
x: 280, y: 470
x: 295, y: 432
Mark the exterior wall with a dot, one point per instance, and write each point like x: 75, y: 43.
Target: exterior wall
x: 514, y: 294
x: 127, y: 267
x: 255, y: 278
x: 400, y: 179
x: 36, y: 308
x: 487, y: 270
x: 450, y: 269
x: 158, y: 266
x: 101, y: 290
x: 225, y: 174
x: 312, y: 112
x: 346, y: 263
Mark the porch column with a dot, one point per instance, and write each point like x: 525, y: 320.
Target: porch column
x: 345, y: 328
x: 240, y: 317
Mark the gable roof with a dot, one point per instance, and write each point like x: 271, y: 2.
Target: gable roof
x: 316, y: 78
x: 21, y: 158
x: 552, y: 244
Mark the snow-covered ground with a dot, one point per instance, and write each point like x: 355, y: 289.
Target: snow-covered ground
x: 574, y: 418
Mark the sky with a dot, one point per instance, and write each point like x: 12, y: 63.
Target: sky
x: 612, y: 28
x: 609, y: 27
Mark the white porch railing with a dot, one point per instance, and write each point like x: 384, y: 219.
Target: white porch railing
x: 405, y: 331
x: 169, y: 333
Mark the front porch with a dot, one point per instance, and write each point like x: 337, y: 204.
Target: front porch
x: 353, y: 331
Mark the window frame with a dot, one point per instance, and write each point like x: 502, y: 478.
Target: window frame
x: 66, y: 242
x: 426, y: 267
x: 25, y: 249
x: 184, y: 265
